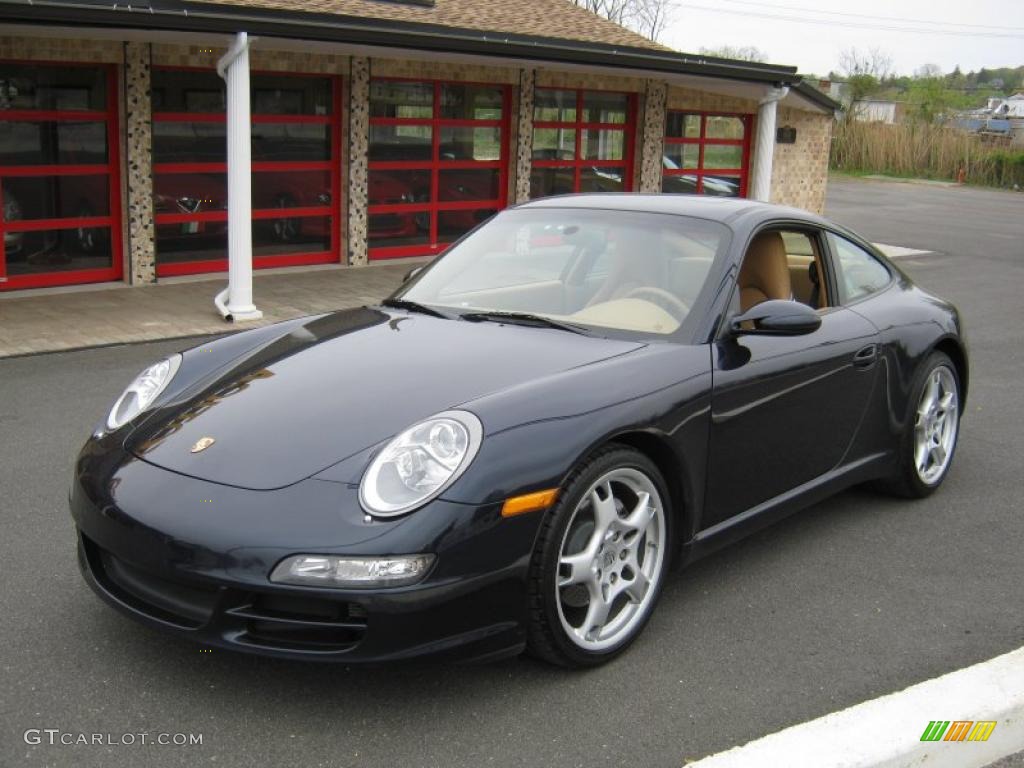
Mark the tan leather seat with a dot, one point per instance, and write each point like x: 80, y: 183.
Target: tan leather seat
x: 765, y: 271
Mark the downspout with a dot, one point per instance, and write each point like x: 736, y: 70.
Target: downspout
x: 764, y: 148
x: 235, y: 302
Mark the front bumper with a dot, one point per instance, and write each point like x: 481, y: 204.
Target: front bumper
x: 192, y: 558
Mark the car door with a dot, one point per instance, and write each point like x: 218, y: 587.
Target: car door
x: 785, y: 409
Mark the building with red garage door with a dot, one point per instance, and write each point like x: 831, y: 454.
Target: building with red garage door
x: 380, y: 129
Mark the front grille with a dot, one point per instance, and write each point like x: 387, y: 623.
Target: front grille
x: 285, y: 621
x: 187, y: 605
x: 300, y: 623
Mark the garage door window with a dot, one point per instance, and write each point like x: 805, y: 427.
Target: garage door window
x: 706, y: 154
x: 296, y: 139
x: 61, y: 218
x: 582, y: 141
x: 438, y: 162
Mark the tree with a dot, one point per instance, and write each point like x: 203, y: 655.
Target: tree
x: 863, y: 71
x: 874, y: 62
x: 740, y: 53
x: 652, y: 18
x: 646, y: 17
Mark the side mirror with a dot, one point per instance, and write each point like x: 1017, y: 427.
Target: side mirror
x: 777, y: 318
x: 413, y: 272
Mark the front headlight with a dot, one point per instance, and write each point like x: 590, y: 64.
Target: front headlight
x: 141, y: 393
x: 420, y: 463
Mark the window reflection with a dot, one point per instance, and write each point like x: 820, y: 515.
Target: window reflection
x: 57, y: 250
x: 52, y: 143
x: 64, y: 88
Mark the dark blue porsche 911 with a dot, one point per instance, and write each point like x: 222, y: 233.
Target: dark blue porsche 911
x: 510, y: 452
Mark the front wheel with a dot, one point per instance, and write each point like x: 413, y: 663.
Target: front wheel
x: 930, y: 437
x: 600, y: 560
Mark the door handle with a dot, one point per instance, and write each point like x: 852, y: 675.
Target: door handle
x: 866, y: 356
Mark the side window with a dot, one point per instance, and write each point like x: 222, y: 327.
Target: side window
x: 782, y: 264
x: 802, y: 258
x: 858, y: 272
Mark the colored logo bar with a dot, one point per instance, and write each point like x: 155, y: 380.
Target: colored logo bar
x: 958, y: 730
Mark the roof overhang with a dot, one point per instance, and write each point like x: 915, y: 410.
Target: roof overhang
x: 169, y: 19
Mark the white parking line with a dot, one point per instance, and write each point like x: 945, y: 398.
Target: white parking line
x: 898, y: 251
x: 887, y: 732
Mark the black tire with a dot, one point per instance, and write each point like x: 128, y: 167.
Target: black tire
x: 906, y: 481
x: 547, y: 639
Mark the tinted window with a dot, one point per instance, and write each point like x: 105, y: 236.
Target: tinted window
x: 859, y: 273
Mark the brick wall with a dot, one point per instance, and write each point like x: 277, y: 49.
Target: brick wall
x: 436, y: 70
x: 167, y: 55
x: 52, y: 49
x: 800, y: 170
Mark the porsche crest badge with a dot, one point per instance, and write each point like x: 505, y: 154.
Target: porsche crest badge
x: 202, y: 444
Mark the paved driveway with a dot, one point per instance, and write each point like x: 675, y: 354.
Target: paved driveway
x: 856, y: 597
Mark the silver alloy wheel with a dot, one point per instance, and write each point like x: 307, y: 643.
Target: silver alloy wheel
x: 935, y: 425
x: 610, y: 560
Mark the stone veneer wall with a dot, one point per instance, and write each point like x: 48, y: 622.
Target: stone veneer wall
x: 653, y: 136
x: 800, y: 170
x: 358, y: 151
x: 140, y: 245
x: 524, y: 138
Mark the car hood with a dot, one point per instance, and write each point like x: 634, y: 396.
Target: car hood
x: 340, y: 383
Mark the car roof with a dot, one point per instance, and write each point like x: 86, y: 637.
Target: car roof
x: 728, y: 210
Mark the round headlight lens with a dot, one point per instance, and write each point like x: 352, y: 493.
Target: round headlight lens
x: 141, y: 393
x: 420, y: 463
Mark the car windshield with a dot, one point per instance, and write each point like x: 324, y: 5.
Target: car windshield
x: 623, y: 270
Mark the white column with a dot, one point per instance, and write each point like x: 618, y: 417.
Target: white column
x: 235, y: 301
x: 764, y: 146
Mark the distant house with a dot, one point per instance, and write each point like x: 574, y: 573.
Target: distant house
x: 1012, y: 106
x: 999, y: 117
x: 878, y: 111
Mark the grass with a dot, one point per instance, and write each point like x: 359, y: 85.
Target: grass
x: 916, y: 150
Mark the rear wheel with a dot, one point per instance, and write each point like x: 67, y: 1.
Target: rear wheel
x: 600, y: 560
x: 930, y: 437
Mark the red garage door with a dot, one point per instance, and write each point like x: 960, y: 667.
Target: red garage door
x: 296, y: 183
x: 59, y: 177
x: 438, y: 162
x: 707, y: 154
x: 582, y: 141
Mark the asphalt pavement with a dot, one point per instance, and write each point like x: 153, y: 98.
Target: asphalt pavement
x: 856, y: 597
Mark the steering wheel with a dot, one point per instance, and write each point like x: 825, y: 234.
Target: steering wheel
x: 663, y: 298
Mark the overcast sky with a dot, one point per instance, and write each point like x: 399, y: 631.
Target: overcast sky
x: 973, y: 34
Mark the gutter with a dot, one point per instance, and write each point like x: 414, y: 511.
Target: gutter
x: 174, y: 15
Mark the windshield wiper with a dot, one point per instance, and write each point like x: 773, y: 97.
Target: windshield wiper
x: 415, y: 306
x: 521, y: 318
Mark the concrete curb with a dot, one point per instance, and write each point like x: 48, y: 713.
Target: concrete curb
x: 886, y: 732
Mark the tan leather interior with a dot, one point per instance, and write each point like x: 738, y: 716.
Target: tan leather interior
x: 765, y: 271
